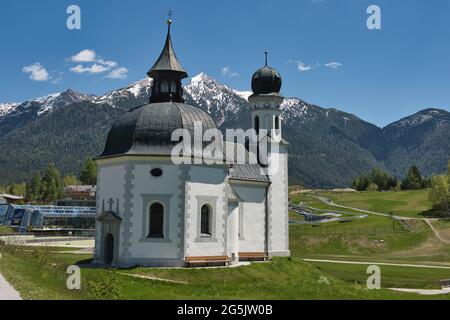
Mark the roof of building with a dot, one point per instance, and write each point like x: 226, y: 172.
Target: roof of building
x: 168, y: 60
x: 248, y: 172
x: 11, y: 196
x: 147, y: 130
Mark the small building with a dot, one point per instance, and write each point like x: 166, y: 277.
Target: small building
x: 77, y: 196
x: 11, y: 198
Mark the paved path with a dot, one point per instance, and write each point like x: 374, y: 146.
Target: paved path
x: 379, y: 263
x: 7, y: 292
x: 426, y: 292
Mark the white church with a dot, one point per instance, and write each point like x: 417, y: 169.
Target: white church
x: 153, y: 212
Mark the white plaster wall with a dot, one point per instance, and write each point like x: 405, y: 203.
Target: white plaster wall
x: 206, y: 181
x: 278, y: 192
x: 252, y: 216
x: 167, y: 184
x: 110, y: 180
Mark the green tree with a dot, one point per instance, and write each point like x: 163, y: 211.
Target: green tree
x: 372, y: 187
x: 18, y: 189
x: 51, y: 184
x: 439, y: 194
x: 88, y: 174
x: 34, y: 187
x: 413, y: 180
x: 70, y: 180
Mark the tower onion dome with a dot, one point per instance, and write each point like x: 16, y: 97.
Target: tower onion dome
x: 148, y: 129
x: 266, y: 80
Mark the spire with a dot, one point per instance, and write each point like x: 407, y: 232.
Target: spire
x: 168, y: 60
x: 266, y: 52
x: 167, y: 73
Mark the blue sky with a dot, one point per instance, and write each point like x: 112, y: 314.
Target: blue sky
x: 323, y: 49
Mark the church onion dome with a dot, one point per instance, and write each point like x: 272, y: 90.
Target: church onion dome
x: 147, y: 130
x: 266, y: 80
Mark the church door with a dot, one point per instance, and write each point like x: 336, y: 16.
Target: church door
x: 109, y: 249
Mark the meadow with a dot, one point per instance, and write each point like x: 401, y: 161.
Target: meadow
x: 40, y: 273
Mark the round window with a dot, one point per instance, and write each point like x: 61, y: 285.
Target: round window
x: 157, y: 172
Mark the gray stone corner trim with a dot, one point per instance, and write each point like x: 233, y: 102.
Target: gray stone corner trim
x: 183, y: 210
x: 147, y: 201
x: 127, y: 224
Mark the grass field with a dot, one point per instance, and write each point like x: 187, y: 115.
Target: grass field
x: 391, y: 276
x: 6, y: 230
x: 41, y: 275
x: 413, y: 203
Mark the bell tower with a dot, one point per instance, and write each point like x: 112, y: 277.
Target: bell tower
x: 167, y: 74
x: 265, y: 103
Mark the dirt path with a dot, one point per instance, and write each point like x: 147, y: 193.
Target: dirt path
x: 435, y: 231
x: 7, y: 292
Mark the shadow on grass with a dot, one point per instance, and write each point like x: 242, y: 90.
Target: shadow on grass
x: 433, y: 213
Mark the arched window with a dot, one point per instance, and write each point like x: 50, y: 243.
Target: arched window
x: 277, y: 123
x: 205, y: 223
x: 156, y: 221
x: 257, y: 124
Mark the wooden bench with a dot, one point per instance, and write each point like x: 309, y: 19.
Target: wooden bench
x: 253, y: 256
x: 207, y: 260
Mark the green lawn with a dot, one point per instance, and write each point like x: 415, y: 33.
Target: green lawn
x: 413, y: 203
x: 41, y: 275
x: 391, y: 276
x: 6, y: 230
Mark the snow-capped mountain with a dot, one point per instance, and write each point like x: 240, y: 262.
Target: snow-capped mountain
x: 217, y: 99
x: 135, y: 94
x: 328, y: 147
x: 6, y: 108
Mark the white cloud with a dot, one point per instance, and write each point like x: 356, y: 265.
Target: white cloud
x: 94, y: 69
x: 119, y: 73
x: 86, y: 55
x: 37, y: 72
x: 108, y: 63
x: 226, y: 71
x: 303, y: 67
x: 333, y: 65
x: 94, y: 64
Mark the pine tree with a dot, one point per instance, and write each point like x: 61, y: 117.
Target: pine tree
x: 88, y: 174
x: 34, y: 187
x: 51, y: 184
x: 413, y: 180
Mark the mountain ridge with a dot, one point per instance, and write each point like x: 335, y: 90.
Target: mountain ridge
x: 328, y: 147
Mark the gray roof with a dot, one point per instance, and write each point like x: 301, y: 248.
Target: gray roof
x: 147, y: 130
x: 248, y: 172
x: 167, y: 61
